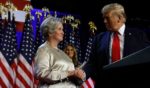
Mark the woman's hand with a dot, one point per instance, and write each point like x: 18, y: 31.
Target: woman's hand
x: 79, y: 73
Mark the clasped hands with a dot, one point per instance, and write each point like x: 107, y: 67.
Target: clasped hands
x: 78, y: 73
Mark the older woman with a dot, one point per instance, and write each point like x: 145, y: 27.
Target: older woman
x: 53, y: 67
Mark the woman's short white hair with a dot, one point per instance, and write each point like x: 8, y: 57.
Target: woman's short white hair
x: 48, y: 25
x: 117, y: 9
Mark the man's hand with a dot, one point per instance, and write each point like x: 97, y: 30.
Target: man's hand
x: 80, y: 73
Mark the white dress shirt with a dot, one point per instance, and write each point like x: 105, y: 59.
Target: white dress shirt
x: 121, y: 37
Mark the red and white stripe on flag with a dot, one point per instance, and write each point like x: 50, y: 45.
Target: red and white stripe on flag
x: 6, y: 73
x: 89, y: 83
x: 24, y: 74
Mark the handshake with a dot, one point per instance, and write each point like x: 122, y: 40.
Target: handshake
x: 77, y: 76
x: 77, y: 73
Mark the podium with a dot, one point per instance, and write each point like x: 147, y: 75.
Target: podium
x: 131, y: 71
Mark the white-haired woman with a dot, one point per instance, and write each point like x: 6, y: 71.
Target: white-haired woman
x: 53, y: 67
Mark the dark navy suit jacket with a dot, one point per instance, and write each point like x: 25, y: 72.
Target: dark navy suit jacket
x: 135, y: 40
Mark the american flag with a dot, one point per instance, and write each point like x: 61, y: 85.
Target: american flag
x: 78, y: 43
x: 1, y: 27
x: 25, y: 77
x: 88, y: 48
x: 8, y: 56
x: 89, y: 83
x: 39, y: 39
x: 71, y: 36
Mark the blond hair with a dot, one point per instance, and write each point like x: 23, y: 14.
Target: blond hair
x: 116, y: 8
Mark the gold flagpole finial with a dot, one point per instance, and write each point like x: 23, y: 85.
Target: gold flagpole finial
x: 28, y: 8
x: 46, y: 10
x: 10, y: 6
x: 38, y: 14
x: 64, y: 19
x: 92, y: 26
x: 75, y: 24
x: 3, y: 9
x: 77, y: 21
x: 70, y: 18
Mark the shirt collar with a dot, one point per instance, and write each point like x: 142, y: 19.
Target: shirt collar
x: 122, y: 29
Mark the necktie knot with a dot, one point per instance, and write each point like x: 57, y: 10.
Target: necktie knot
x: 116, y: 33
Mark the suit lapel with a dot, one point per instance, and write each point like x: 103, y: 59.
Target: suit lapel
x: 127, y: 40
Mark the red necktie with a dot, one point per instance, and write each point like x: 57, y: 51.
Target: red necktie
x: 115, y: 47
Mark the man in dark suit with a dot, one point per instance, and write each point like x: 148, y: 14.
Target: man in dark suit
x: 114, y: 44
